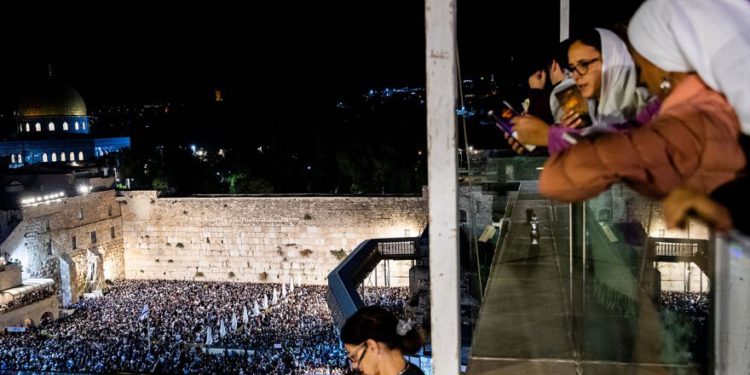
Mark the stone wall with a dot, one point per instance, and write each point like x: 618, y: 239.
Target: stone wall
x: 32, y: 312
x: 682, y: 277
x: 483, y: 202
x: 626, y: 205
x: 10, y: 276
x: 258, y: 239
x: 62, y: 233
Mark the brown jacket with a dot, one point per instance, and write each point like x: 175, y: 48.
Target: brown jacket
x: 692, y: 142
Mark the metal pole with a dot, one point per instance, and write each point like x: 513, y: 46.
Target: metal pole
x: 564, y: 19
x: 442, y: 176
x: 387, y: 273
x: 731, y: 304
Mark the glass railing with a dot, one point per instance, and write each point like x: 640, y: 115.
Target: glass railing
x: 492, y: 166
x: 639, y: 293
x: 598, y: 287
x: 731, y: 304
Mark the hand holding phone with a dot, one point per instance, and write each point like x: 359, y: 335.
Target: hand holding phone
x: 504, y: 123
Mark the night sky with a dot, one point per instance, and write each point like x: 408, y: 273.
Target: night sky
x: 269, y: 55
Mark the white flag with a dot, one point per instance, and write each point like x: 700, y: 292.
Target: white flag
x: 244, y: 315
x: 144, y: 313
x: 222, y: 330
x: 256, y: 308
x: 275, y: 297
x: 234, y: 321
x: 291, y: 284
x: 283, y: 290
x: 265, y: 302
x: 209, y: 337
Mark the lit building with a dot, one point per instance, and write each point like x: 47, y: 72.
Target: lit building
x: 53, y: 127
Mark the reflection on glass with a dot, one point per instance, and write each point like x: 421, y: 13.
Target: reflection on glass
x: 643, y: 298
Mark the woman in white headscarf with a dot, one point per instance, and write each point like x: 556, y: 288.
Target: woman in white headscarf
x: 711, y: 39
x: 605, y: 74
x: 694, y: 139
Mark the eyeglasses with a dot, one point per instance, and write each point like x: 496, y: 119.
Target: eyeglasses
x: 361, y: 357
x: 582, y: 67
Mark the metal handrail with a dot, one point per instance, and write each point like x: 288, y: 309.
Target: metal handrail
x: 342, y: 297
x: 678, y: 247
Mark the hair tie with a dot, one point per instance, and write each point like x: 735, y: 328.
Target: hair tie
x: 403, y: 327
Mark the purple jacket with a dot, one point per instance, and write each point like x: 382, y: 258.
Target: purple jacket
x: 559, y: 139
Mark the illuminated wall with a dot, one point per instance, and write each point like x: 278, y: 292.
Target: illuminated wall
x: 258, y: 238
x: 204, y: 238
x: 70, y: 232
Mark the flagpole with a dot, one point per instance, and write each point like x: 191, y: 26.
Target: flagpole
x: 148, y: 332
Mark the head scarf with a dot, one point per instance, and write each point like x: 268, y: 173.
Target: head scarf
x: 709, y: 37
x: 619, y: 100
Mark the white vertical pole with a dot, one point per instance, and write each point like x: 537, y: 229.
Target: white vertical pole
x: 440, y: 29
x: 731, y: 304
x: 564, y: 19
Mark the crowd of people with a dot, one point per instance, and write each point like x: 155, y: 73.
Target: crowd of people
x: 161, y: 326
x: 393, y: 299
x: 694, y: 305
x: 686, y: 316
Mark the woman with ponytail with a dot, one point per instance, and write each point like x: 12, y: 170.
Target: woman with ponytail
x: 376, y: 342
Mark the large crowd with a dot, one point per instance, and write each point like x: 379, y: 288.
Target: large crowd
x: 392, y: 299
x: 117, y: 332
x: 693, y: 304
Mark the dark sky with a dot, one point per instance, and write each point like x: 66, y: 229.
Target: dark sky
x: 298, y: 50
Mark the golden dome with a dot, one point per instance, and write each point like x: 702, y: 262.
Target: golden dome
x: 52, y: 99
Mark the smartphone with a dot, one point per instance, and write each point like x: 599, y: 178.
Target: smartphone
x: 510, y: 107
x: 503, y: 122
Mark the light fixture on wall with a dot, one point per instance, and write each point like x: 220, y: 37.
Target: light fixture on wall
x: 83, y: 189
x: 33, y: 201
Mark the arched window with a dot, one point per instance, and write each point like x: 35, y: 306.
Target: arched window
x: 62, y: 156
x: 44, y: 157
x: 84, y: 126
x: 28, y: 128
x: 20, y: 159
x: 76, y: 125
x: 20, y: 128
x: 72, y: 156
x: 13, y: 161
x: 80, y: 155
x: 38, y: 127
x: 54, y: 157
x: 51, y: 126
x: 65, y: 126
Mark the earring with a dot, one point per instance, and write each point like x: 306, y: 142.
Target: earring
x: 665, y: 85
